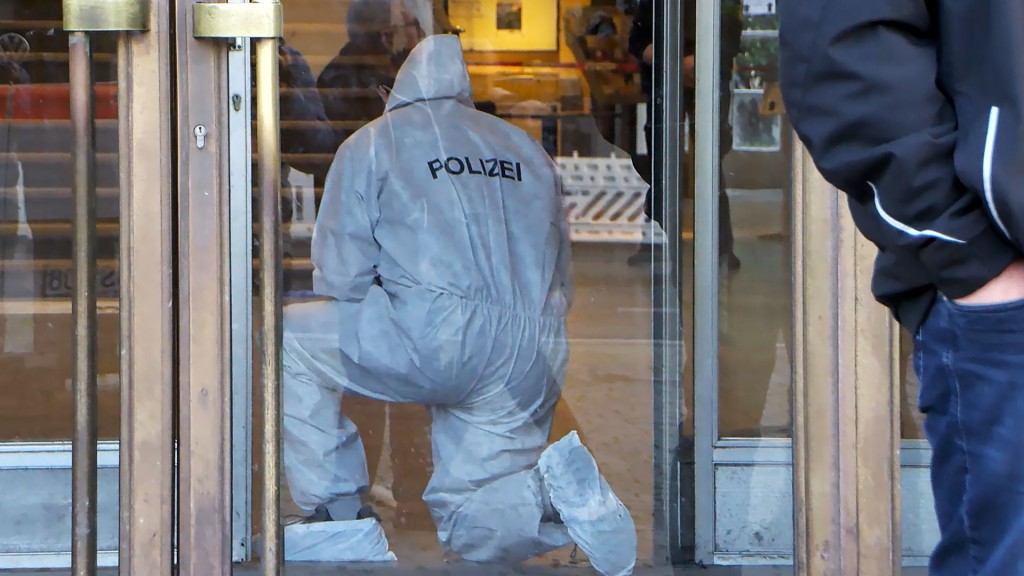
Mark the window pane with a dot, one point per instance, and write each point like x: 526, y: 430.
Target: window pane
x: 911, y: 420
x: 36, y: 279
x: 755, y: 300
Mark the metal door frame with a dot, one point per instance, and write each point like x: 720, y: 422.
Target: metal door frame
x: 671, y: 489
x: 147, y: 297
x: 239, y: 78
x: 219, y: 216
x: 711, y: 452
x: 705, y: 274
x: 185, y: 306
x: 145, y: 309
x: 215, y: 235
x: 844, y: 356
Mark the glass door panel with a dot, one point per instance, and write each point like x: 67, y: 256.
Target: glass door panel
x: 743, y: 237
x: 35, y: 226
x: 36, y: 327
x: 563, y: 73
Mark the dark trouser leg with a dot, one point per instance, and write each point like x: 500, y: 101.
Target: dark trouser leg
x: 938, y: 402
x: 652, y: 201
x: 971, y: 365
x: 726, y: 241
x: 652, y: 204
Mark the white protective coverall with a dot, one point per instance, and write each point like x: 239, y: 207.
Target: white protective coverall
x: 444, y: 257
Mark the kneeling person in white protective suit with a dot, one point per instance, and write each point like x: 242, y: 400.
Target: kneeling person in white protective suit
x: 444, y: 256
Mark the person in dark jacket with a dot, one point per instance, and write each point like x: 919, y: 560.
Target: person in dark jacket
x: 305, y: 129
x: 353, y: 85
x: 641, y: 45
x: 350, y: 84
x: 916, y: 111
x: 306, y: 134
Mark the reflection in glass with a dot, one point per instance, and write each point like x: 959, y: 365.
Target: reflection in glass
x: 35, y: 226
x: 755, y: 299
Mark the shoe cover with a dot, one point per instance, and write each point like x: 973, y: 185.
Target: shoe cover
x: 345, y: 541
x: 597, y: 520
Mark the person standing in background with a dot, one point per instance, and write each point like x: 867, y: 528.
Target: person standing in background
x: 305, y: 128
x: 350, y: 85
x: 641, y: 45
x: 305, y: 131
x: 305, y: 134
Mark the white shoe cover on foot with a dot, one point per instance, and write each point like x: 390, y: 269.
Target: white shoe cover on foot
x: 344, y: 541
x: 597, y: 520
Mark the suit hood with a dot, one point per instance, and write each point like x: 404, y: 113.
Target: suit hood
x: 434, y: 70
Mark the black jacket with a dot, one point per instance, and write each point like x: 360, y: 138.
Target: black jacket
x: 350, y: 85
x: 305, y: 130
x: 914, y: 108
x: 350, y: 89
x: 641, y: 35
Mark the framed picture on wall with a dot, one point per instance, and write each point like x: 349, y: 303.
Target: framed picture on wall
x: 506, y: 25
x: 510, y: 16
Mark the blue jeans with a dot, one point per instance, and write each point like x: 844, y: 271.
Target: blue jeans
x: 970, y: 360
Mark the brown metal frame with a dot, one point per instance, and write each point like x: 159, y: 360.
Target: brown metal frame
x: 846, y: 393
x: 268, y: 142
x: 204, y: 224
x: 150, y: 290
x: 147, y: 297
x: 204, y: 328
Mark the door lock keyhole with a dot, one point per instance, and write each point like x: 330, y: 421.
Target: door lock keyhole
x: 200, y: 132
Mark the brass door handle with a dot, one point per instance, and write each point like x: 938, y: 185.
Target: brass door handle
x: 106, y: 15
x: 252, y: 20
x: 263, y: 22
x: 82, y: 18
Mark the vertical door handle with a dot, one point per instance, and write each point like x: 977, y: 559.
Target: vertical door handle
x: 263, y: 22
x: 82, y: 18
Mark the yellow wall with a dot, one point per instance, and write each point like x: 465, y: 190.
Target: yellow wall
x: 539, y: 31
x: 316, y: 28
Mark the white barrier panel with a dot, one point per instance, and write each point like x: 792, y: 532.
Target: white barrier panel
x: 604, y: 201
